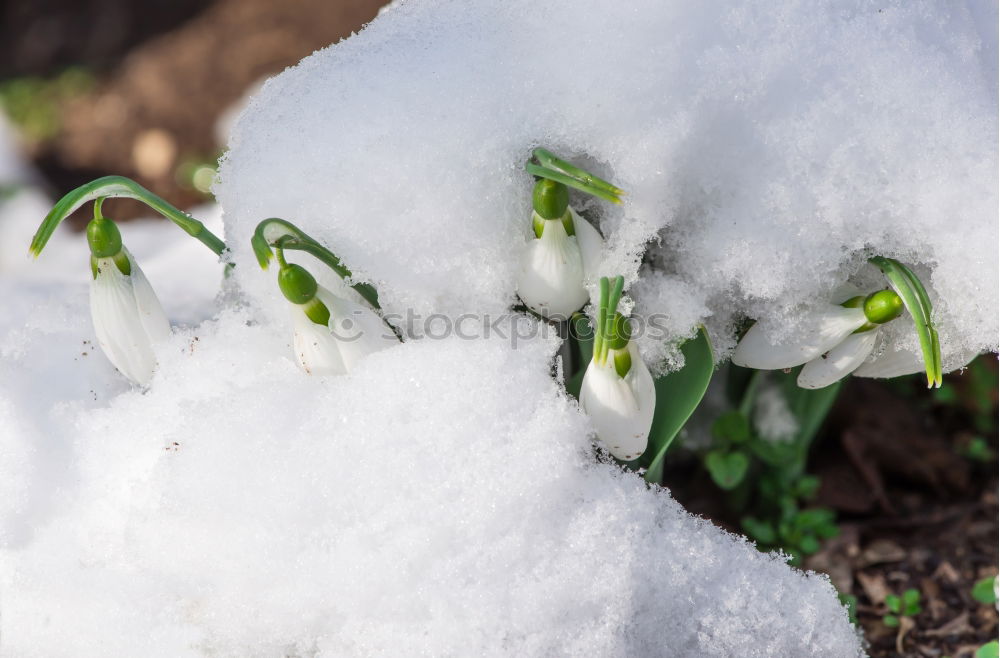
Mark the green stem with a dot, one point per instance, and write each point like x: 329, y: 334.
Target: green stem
x: 746, y: 403
x: 119, y: 186
x: 609, y: 321
x: 602, y: 316
x: 283, y: 234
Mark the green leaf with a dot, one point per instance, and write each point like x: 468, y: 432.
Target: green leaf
x: 732, y: 426
x: 892, y: 602
x: 892, y: 621
x: 760, y: 531
x: 677, y: 395
x: 727, y: 469
x: 570, y: 175
x: 911, y: 602
x: 119, y: 186
x: 774, y: 453
x: 989, y: 650
x: 984, y: 590
x: 814, y: 518
x: 807, y: 486
x: 581, y: 338
x: 809, y: 544
x: 850, y: 602
x: 918, y: 303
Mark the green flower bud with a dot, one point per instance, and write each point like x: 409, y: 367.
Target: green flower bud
x: 297, y: 285
x: 317, y: 311
x: 623, y: 361
x: 883, y: 306
x: 550, y: 199
x: 104, y: 238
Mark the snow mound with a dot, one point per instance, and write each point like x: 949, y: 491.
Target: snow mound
x: 442, y: 498
x: 767, y: 148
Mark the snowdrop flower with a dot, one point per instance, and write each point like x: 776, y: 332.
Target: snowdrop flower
x: 331, y: 334
x: 617, y: 391
x: 832, y: 343
x: 128, y: 318
x: 561, y: 256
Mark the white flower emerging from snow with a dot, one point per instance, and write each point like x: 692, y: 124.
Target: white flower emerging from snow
x: 617, y: 390
x: 128, y: 318
x: 331, y: 334
x: 832, y: 343
x: 556, y: 265
x: 561, y: 257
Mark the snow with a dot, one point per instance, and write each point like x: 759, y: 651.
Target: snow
x: 240, y: 508
x: 767, y: 148
x: 443, y: 498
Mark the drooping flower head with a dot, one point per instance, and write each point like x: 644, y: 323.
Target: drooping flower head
x: 838, y: 339
x: 330, y: 332
x: 128, y: 318
x: 565, y: 248
x: 617, y: 391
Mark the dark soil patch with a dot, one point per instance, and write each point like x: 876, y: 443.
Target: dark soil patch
x: 914, y: 509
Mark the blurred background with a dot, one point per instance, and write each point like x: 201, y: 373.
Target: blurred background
x: 897, y: 490
x: 145, y: 89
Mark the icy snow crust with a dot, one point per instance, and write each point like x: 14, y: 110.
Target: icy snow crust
x: 767, y: 147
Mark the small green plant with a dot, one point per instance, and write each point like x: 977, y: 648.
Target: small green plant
x: 988, y: 650
x: 850, y: 602
x: 978, y: 450
x: 33, y: 104
x: 907, y: 605
x: 985, y: 591
x: 728, y: 462
x: 765, y: 475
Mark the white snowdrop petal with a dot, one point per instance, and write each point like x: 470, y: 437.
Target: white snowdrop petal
x: 550, y: 279
x: 591, y: 244
x: 117, y: 325
x: 892, y: 363
x: 817, y: 335
x: 151, y: 313
x: 621, y: 410
x: 838, y: 362
x: 316, y: 350
x: 356, y: 328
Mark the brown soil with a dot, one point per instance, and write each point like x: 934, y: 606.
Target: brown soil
x: 913, y: 512
x: 158, y: 106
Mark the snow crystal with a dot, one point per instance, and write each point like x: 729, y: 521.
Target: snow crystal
x: 767, y: 148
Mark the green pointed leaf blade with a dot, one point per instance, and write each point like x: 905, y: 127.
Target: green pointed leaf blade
x: 984, y: 590
x: 677, y: 395
x: 581, y: 339
x: 917, y: 302
x: 569, y: 181
x: 548, y: 159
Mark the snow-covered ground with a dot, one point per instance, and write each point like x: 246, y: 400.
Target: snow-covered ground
x: 443, y: 499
